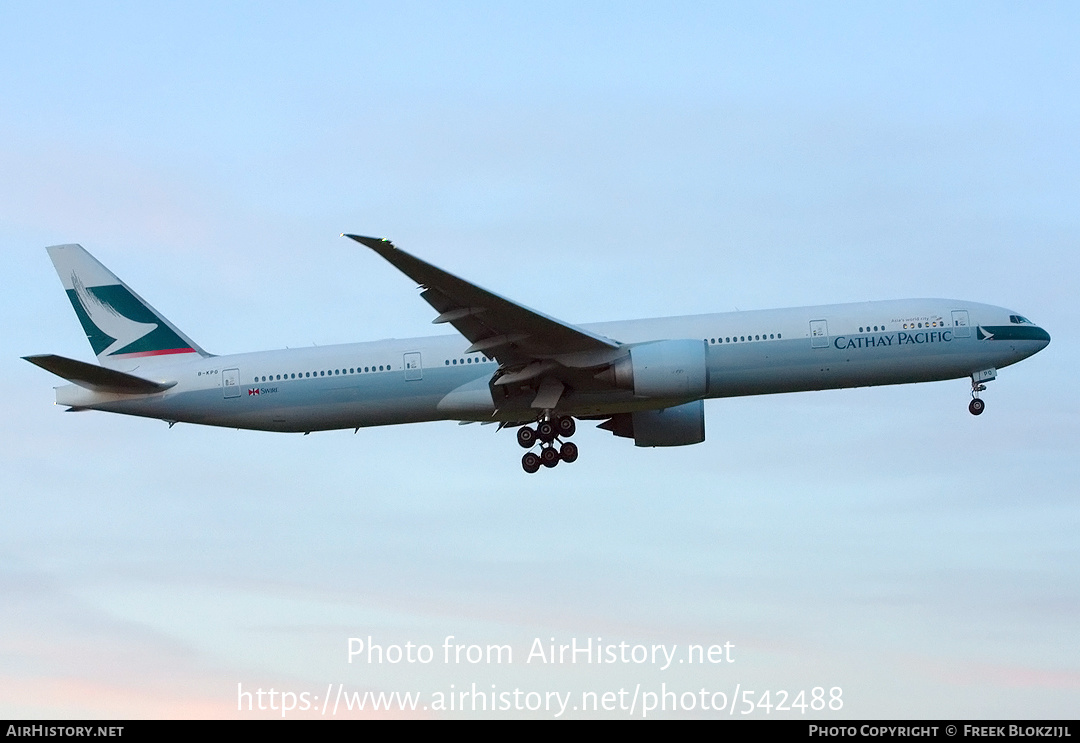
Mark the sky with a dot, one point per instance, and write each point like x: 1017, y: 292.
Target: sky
x: 596, y: 161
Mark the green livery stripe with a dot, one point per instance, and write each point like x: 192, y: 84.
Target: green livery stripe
x: 1013, y: 333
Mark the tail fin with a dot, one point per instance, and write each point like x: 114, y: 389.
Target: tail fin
x: 121, y: 327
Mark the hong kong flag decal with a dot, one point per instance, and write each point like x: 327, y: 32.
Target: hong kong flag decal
x: 253, y: 391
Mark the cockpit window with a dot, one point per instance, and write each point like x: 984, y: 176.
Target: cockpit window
x: 1019, y: 320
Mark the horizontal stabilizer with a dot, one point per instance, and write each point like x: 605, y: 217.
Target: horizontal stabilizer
x: 97, y: 378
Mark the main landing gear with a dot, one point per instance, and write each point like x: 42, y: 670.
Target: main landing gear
x: 548, y: 432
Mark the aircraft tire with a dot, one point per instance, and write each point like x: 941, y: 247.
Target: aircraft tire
x: 566, y: 426
x: 976, y: 406
x: 526, y: 437
x: 530, y: 462
x: 549, y: 457
x: 546, y: 431
x: 569, y: 452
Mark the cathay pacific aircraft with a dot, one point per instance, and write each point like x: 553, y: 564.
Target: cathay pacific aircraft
x: 510, y: 365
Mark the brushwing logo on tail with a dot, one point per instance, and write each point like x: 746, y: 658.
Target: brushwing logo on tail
x: 123, y: 330
x: 118, y: 324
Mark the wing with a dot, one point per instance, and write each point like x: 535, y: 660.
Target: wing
x: 529, y: 346
x: 503, y: 329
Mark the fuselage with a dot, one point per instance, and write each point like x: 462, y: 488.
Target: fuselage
x: 434, y: 378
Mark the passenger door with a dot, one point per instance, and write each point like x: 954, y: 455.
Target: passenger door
x: 819, y: 334
x: 230, y: 382
x: 960, y: 324
x: 414, y: 370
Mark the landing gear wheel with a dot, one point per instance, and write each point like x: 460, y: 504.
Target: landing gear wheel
x: 569, y: 452
x: 566, y: 426
x: 976, y: 406
x: 526, y: 437
x: 546, y: 431
x: 530, y: 462
x: 548, y: 456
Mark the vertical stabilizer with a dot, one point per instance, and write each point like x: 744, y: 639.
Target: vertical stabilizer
x: 122, y: 328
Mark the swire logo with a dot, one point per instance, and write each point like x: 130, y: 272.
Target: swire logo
x: 253, y: 391
x: 261, y: 390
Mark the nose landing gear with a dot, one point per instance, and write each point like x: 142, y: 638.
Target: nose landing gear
x: 548, y: 432
x: 976, y: 406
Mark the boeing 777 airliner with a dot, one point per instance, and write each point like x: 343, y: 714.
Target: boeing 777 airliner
x: 507, y: 364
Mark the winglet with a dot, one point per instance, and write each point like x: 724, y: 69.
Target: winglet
x: 375, y: 243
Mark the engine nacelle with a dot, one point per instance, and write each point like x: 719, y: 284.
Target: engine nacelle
x: 662, y: 369
x: 679, y: 425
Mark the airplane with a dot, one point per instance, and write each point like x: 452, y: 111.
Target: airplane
x: 646, y: 380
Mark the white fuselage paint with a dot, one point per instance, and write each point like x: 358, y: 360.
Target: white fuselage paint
x: 806, y: 348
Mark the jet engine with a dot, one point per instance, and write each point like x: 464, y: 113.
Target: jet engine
x: 662, y: 369
x: 679, y: 425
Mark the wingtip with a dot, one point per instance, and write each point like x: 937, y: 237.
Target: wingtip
x: 372, y: 242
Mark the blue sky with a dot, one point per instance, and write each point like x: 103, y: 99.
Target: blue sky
x: 598, y: 162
